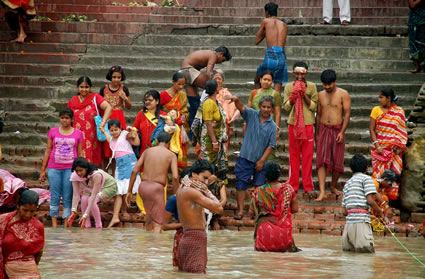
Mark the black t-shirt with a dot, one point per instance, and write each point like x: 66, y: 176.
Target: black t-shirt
x: 127, y: 93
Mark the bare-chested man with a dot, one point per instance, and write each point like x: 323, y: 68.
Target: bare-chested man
x: 155, y: 162
x: 191, y: 68
x: 192, y: 197
x: 274, y: 30
x: 333, y: 116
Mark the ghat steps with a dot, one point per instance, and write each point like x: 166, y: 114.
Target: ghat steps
x: 37, y: 78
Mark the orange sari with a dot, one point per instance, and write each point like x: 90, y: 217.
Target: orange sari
x: 179, y: 103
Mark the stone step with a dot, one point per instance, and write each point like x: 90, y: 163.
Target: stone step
x: 39, y: 57
x: 248, y: 52
x: 43, y: 47
x: 81, y: 2
x: 241, y: 62
x: 240, y: 20
x: 287, y: 3
x: 84, y: 8
x: 286, y: 11
x: 294, y: 39
x: 132, y: 16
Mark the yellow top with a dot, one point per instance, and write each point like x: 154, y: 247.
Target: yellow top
x: 376, y: 111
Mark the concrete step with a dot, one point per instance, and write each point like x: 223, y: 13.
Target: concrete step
x: 295, y: 39
x: 39, y: 57
x: 286, y: 11
x: 251, y: 52
x: 43, y: 47
x: 130, y: 16
x: 85, y: 8
x: 372, y: 65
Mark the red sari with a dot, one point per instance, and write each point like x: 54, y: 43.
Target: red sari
x: 179, y: 103
x: 146, y: 122
x: 20, y: 241
x: 277, y: 236
x: 84, y: 113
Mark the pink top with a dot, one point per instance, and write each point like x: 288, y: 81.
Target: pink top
x: 121, y: 146
x: 229, y: 107
x: 64, y: 148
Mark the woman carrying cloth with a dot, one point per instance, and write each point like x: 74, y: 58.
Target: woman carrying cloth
x: 21, y: 238
x: 175, y: 98
x: 213, y: 132
x: 389, y: 136
x: 84, y: 106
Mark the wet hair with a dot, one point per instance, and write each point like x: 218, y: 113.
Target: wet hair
x: 218, y: 71
x: 114, y: 122
x: 66, y: 111
x: 266, y: 72
x: 225, y: 52
x: 266, y: 98
x: 300, y: 64
x: 328, y: 76
x: 27, y: 196
x: 186, y: 171
x: 391, y: 175
x: 272, y: 171
x: 157, y: 97
x: 84, y: 79
x: 211, y: 87
x: 164, y: 137
x: 201, y: 166
x: 389, y: 92
x: 271, y: 8
x: 358, y: 163
x: 115, y: 69
x: 177, y: 76
x: 83, y: 163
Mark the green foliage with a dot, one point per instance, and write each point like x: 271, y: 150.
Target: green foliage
x: 42, y: 18
x: 77, y: 18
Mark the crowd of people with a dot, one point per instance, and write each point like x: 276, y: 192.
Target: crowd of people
x: 93, y: 135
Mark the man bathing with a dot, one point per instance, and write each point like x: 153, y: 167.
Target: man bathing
x: 274, y: 30
x: 332, y: 119
x: 155, y: 162
x: 192, y: 196
x: 191, y: 68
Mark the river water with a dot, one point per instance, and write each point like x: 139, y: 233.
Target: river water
x: 134, y: 253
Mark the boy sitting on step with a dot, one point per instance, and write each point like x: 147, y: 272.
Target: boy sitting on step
x: 358, y: 196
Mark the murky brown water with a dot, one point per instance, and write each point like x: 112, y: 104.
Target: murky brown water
x: 134, y: 253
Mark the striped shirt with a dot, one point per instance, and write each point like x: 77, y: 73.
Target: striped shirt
x: 354, y: 196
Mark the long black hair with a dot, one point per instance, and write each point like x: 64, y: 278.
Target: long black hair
x: 83, y: 163
x: 154, y: 94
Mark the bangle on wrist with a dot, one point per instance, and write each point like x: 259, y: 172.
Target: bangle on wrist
x: 74, y: 210
x: 278, y: 128
x: 215, y: 143
x: 85, y: 216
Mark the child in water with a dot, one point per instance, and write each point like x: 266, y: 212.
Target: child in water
x: 118, y: 96
x: 120, y: 144
x: 64, y: 144
x: 92, y: 184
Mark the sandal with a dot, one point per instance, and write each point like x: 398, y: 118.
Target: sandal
x: 324, y: 22
x: 345, y: 22
x: 238, y: 217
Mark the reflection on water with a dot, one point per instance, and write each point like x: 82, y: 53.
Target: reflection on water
x: 134, y: 253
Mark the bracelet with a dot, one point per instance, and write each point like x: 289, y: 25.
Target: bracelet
x: 74, y: 210
x: 215, y: 143
x: 85, y: 216
x: 278, y: 128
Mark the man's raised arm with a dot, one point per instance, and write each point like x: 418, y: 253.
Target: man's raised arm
x: 239, y: 105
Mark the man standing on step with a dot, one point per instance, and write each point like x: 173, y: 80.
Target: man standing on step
x: 258, y: 143
x: 274, y: 30
x: 344, y: 11
x: 332, y: 119
x: 192, y: 197
x: 300, y: 99
x: 191, y: 67
x: 155, y: 162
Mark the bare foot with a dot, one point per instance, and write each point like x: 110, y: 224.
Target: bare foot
x: 113, y: 222
x: 336, y: 192
x: 125, y: 214
x: 20, y: 39
x: 321, y: 197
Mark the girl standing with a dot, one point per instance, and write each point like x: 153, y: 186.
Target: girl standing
x: 118, y: 96
x: 64, y: 144
x: 122, y: 152
x: 84, y: 107
x: 92, y: 185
